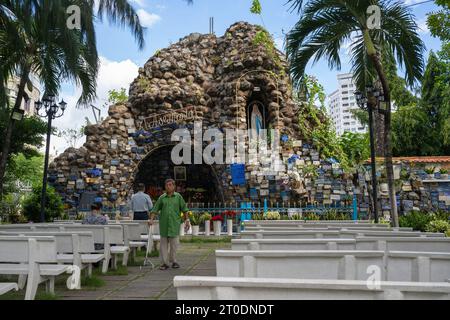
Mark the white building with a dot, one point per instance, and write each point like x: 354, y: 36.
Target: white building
x: 340, y: 102
x: 33, y: 96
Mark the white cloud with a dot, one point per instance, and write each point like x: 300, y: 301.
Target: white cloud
x: 423, y: 26
x: 112, y: 75
x: 279, y: 43
x: 140, y: 3
x: 148, y: 19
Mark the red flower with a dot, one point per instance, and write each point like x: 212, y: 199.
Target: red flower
x: 217, y: 218
x: 229, y: 214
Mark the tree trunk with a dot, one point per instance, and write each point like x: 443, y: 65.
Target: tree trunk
x: 387, y: 139
x: 10, y: 128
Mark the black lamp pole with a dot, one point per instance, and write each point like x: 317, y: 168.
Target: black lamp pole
x: 365, y: 104
x: 50, y: 110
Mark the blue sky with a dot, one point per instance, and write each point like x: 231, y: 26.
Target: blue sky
x: 169, y: 20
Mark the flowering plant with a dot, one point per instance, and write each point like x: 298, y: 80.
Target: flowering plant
x: 217, y: 218
x: 194, y: 218
x: 273, y: 215
x: 205, y: 217
x: 229, y: 214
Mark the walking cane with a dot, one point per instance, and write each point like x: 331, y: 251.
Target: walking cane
x: 147, y: 261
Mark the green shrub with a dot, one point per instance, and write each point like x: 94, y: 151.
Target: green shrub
x: 312, y: 216
x: 438, y: 226
x: 417, y: 220
x: 54, y: 208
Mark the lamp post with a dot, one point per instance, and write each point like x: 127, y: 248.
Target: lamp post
x: 365, y: 102
x: 47, y: 108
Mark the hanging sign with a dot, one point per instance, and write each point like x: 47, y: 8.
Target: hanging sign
x: 238, y: 174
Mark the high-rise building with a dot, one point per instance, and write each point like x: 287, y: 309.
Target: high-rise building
x: 340, y: 104
x: 28, y: 104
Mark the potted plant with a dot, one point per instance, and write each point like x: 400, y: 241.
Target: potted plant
x: 217, y: 223
x: 430, y: 172
x: 444, y: 173
x: 229, y: 216
x: 194, y: 218
x: 206, y: 218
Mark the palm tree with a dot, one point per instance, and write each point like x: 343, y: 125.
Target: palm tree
x: 327, y: 25
x: 34, y: 38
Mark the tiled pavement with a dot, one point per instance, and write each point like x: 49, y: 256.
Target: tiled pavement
x: 147, y: 284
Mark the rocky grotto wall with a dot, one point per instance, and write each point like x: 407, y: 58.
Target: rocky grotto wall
x: 217, y: 78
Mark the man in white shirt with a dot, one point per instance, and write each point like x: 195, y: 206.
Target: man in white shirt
x: 141, y: 204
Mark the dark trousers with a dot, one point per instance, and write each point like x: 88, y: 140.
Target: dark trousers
x: 141, y: 216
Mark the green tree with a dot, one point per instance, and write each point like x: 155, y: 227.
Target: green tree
x: 256, y: 7
x: 355, y: 146
x: 71, y: 136
x: 117, y: 96
x: 34, y: 38
x: 54, y: 207
x: 26, y: 170
x: 435, y: 104
x: 324, y: 27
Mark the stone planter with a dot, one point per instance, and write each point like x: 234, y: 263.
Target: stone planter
x: 207, y: 228
x: 230, y: 227
x: 195, y: 230
x: 182, y: 233
x: 217, y: 228
x: 444, y: 176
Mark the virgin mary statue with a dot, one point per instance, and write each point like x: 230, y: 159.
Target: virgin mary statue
x: 256, y: 122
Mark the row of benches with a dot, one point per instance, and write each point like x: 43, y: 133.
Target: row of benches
x: 298, y: 260
x: 38, y: 253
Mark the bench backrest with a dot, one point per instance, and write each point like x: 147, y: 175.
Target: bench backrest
x: 115, y: 232
x: 354, y: 233
x: 308, y: 234
x: 360, y: 243
x: 19, y: 249
x: 305, y: 227
x: 64, y: 240
x: 294, y: 244
x: 217, y: 288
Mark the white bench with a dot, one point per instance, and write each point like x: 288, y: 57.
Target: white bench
x: 35, y: 258
x: 360, y: 243
x: 7, y: 287
x: 294, y: 244
x: 305, y: 234
x: 346, y: 234
x: 111, y: 236
x: 305, y: 227
x: 217, y: 288
x: 315, y: 224
x: 335, y: 264
x: 75, y: 248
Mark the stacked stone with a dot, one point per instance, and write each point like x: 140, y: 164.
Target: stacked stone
x: 218, y: 77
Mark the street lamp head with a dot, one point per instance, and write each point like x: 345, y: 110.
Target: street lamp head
x: 63, y: 105
x: 38, y: 105
x: 358, y: 95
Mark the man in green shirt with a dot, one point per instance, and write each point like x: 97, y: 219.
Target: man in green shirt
x: 169, y: 207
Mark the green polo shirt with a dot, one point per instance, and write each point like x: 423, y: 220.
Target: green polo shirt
x: 170, y: 209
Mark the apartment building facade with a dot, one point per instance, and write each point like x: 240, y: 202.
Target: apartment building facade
x: 340, y: 104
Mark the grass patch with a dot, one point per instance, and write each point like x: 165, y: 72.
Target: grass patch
x: 142, y: 253
x: 206, y: 240
x: 121, y: 271
x: 92, y: 282
x: 46, y: 296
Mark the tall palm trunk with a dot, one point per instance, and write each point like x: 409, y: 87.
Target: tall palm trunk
x: 9, y: 130
x: 387, y: 126
x: 388, y: 140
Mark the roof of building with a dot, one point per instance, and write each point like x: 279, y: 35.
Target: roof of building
x: 431, y: 159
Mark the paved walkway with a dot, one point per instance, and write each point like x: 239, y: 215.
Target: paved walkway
x: 147, y: 284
